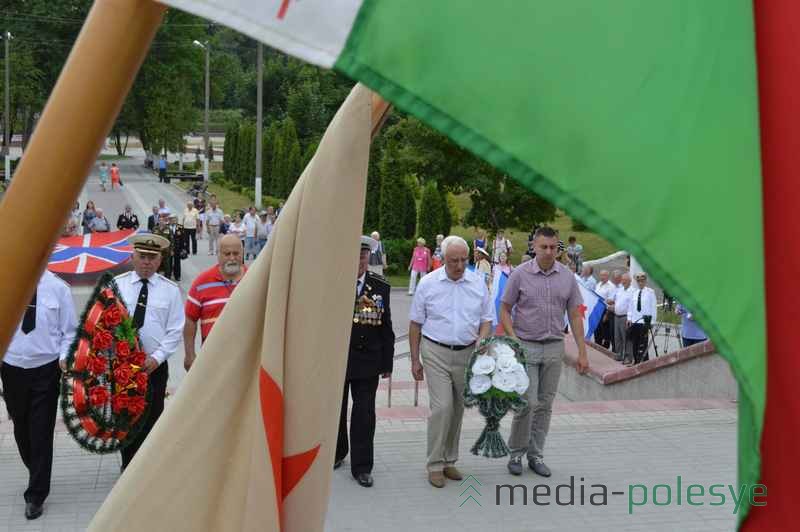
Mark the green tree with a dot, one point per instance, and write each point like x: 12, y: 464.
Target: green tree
x: 410, y: 207
x: 294, y: 166
x: 268, y: 157
x: 372, y: 205
x: 246, y: 154
x: 305, y: 108
x: 499, y: 202
x: 431, y: 213
x: 229, y: 162
x: 278, y: 178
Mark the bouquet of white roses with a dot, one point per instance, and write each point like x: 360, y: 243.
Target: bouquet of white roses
x: 496, y: 381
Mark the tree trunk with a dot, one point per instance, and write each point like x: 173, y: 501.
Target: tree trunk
x: 28, y: 128
x: 125, y: 148
x: 118, y: 142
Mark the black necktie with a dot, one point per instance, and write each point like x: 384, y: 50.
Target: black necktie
x: 29, y: 320
x: 141, y: 306
x: 639, y: 302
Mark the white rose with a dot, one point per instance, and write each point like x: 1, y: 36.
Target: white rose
x: 502, y: 350
x: 483, y: 365
x: 506, y: 363
x: 479, y: 384
x: 505, y: 382
x: 521, y: 380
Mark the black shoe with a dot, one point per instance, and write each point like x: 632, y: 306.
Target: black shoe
x: 364, y: 479
x: 338, y: 463
x: 33, y: 510
x: 539, y: 467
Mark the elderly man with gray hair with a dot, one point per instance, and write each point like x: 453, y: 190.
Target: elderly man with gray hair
x: 450, y: 312
x: 377, y: 258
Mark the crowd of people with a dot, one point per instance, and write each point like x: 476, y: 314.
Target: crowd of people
x: 441, y: 335
x: 183, y: 230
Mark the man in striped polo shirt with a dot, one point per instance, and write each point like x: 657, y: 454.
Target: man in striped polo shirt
x: 209, y: 293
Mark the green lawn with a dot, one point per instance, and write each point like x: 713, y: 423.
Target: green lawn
x: 114, y: 157
x: 228, y: 200
x: 594, y: 246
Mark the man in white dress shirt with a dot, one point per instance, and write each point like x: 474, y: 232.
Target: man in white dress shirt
x: 641, y: 313
x: 450, y: 312
x: 605, y: 289
x: 586, y: 278
x: 156, y: 306
x: 619, y: 308
x: 31, y: 376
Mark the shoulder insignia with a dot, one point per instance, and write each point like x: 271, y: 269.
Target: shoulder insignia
x: 59, y: 280
x: 170, y: 281
x: 123, y: 275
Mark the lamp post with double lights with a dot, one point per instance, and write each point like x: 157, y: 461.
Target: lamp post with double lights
x: 205, y: 46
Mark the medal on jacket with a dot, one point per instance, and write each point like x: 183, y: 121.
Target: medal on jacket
x: 365, y: 311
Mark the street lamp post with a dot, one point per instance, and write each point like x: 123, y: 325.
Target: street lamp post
x: 259, y: 117
x: 205, y: 46
x: 7, y: 117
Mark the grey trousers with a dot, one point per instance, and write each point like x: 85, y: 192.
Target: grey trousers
x: 620, y: 331
x: 444, y: 372
x: 530, y: 426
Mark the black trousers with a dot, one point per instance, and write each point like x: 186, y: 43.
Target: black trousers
x: 31, y: 397
x: 162, y: 176
x: 158, y: 385
x: 191, y: 236
x: 362, y: 424
x: 176, y: 266
x: 638, y: 336
x: 604, y: 334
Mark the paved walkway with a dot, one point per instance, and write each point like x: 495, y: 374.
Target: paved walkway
x: 618, y: 444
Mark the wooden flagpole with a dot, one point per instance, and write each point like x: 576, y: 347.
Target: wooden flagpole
x: 79, y: 114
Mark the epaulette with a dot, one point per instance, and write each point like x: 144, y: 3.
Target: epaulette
x: 60, y: 280
x: 120, y: 276
x: 170, y: 281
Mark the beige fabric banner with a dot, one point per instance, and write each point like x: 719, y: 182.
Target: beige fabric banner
x: 281, y: 342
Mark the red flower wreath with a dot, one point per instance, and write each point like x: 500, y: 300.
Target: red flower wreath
x: 108, y: 375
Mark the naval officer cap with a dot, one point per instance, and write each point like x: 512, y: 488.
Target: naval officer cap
x: 369, y: 243
x: 148, y: 243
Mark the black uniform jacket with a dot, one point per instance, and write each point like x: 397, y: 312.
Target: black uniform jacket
x: 372, y: 338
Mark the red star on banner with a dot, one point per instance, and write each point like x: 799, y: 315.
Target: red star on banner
x: 287, y: 470
x: 282, y: 10
x: 582, y: 309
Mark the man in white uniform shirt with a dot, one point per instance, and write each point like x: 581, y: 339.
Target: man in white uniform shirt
x: 31, y: 377
x: 450, y: 312
x: 250, y: 221
x: 641, y: 313
x: 156, y: 306
x: 619, y: 308
x: 605, y: 289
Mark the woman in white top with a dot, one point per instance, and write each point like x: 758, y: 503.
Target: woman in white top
x: 237, y: 228
x: 263, y: 229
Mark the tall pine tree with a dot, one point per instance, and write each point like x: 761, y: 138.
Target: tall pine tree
x: 229, y: 161
x: 268, y: 158
x: 372, y: 207
x: 431, y: 214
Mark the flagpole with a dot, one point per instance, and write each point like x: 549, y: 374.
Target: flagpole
x: 78, y: 116
x: 380, y: 112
